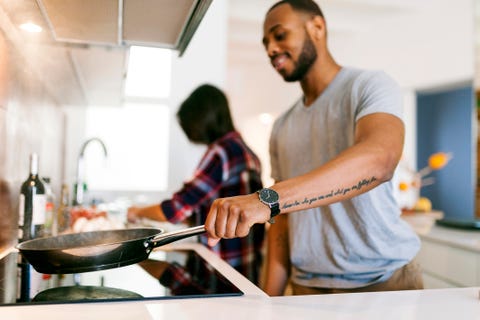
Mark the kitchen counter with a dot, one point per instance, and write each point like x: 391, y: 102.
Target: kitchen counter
x: 439, y: 304
x: 425, y: 226
x: 460, y: 238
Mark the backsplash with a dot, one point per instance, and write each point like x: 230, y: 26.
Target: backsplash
x: 30, y: 121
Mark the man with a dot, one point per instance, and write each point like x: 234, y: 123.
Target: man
x: 333, y: 155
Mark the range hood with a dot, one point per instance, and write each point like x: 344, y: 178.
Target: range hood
x: 157, y: 23
x: 82, y: 57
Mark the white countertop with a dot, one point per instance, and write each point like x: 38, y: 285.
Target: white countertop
x: 425, y: 226
x: 461, y: 238
x: 439, y: 304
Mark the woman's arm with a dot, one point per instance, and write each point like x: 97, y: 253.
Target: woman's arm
x: 153, y: 212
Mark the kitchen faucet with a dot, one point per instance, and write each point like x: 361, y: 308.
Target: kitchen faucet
x: 79, y: 185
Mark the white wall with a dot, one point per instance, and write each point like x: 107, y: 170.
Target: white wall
x: 204, y: 61
x: 427, y: 45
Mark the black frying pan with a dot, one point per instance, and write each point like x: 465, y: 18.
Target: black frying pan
x: 97, y: 250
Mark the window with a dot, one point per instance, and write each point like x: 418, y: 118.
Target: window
x: 137, y: 141
x: 137, y: 134
x: 149, y: 72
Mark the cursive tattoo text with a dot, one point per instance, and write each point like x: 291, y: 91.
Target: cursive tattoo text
x: 341, y: 191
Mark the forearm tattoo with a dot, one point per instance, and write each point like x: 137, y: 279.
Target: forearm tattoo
x: 341, y: 191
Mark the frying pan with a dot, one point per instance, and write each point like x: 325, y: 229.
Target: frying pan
x: 97, y: 250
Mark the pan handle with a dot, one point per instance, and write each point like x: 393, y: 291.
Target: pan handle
x: 168, y: 237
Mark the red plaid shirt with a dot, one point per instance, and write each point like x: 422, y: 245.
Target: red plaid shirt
x: 228, y: 168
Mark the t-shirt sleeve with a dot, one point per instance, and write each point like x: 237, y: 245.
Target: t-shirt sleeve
x: 275, y: 172
x: 376, y: 92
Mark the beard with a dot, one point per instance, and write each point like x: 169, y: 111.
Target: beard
x: 305, y: 61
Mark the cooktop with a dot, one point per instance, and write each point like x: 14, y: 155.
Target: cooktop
x: 165, y: 275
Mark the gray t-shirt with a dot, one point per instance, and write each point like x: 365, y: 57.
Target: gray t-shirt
x: 355, y: 242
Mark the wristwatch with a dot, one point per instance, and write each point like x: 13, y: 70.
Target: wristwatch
x: 270, y: 198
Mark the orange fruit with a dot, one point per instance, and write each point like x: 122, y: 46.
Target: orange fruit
x: 438, y: 160
x: 423, y: 204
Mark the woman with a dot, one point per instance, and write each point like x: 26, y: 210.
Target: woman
x: 228, y: 168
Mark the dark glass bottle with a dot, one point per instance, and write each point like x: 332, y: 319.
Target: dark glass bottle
x: 32, y: 204
x: 31, y: 220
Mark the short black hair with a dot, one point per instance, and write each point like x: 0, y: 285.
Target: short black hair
x: 307, y: 6
x: 205, y: 115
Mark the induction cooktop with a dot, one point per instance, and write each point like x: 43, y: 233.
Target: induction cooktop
x: 165, y: 275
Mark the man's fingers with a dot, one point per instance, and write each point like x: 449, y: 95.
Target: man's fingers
x: 212, y: 242
x: 210, y: 226
x: 232, y: 222
x: 210, y: 221
x: 228, y: 219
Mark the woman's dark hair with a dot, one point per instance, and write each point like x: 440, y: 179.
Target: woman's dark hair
x: 307, y: 6
x: 205, y: 115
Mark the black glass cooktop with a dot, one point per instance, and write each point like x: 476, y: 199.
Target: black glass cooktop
x: 165, y: 275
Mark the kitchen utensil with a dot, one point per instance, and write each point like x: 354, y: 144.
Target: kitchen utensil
x: 97, y: 250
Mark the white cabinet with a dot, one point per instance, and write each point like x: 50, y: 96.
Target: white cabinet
x: 450, y: 258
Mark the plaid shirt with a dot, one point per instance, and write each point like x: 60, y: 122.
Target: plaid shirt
x: 228, y: 168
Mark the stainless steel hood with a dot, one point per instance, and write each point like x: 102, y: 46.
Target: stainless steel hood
x: 81, y: 56
x: 158, y: 23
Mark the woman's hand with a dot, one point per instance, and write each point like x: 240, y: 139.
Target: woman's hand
x: 153, y: 212
x: 133, y: 214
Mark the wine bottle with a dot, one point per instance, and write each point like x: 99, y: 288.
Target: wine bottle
x: 32, y: 205
x: 31, y: 219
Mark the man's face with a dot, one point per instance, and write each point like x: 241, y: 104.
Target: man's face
x: 288, y: 45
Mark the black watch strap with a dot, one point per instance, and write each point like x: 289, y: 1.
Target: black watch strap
x: 274, y: 211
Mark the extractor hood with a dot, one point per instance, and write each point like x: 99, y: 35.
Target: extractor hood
x: 157, y: 23
x: 81, y: 56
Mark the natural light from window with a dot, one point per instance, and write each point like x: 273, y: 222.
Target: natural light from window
x: 137, y: 140
x: 149, y: 72
x: 136, y: 134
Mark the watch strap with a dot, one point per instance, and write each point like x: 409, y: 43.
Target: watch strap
x: 274, y: 211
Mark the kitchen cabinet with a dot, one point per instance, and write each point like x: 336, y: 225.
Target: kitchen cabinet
x: 450, y: 257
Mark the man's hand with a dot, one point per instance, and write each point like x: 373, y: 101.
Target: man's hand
x: 234, y: 216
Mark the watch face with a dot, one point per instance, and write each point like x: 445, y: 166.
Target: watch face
x: 268, y: 196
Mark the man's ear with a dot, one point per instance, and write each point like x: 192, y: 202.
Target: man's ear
x: 317, y: 28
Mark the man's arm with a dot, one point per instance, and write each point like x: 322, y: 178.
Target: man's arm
x: 369, y: 162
